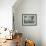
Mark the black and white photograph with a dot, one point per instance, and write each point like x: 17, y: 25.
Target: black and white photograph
x: 29, y: 19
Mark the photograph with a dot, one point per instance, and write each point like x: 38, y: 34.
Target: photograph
x: 29, y: 19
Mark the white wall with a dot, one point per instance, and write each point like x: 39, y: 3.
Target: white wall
x: 28, y: 7
x: 43, y: 22
x: 6, y: 13
x: 32, y: 6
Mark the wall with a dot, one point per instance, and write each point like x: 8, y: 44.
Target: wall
x: 28, y: 7
x: 6, y: 13
x: 43, y: 22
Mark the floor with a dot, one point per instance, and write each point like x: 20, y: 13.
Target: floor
x: 9, y: 43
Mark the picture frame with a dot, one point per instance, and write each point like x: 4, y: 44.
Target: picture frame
x: 29, y: 19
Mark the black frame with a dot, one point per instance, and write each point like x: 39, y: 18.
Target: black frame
x: 35, y: 15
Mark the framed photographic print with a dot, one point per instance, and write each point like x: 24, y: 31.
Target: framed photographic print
x: 29, y: 19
